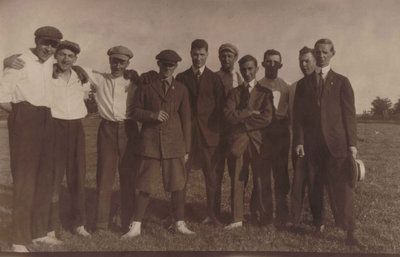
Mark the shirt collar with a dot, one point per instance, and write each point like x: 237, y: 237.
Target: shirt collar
x: 34, y: 57
x: 324, y: 70
x: 194, y: 69
x: 251, y: 84
x: 169, y: 80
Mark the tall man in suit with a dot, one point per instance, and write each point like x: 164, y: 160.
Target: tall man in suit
x: 228, y: 55
x: 205, y: 95
x: 326, y: 134
x: 248, y: 109
x: 163, y: 108
x: 276, y: 142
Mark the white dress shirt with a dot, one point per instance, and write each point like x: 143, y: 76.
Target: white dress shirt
x: 280, y: 91
x: 111, y: 95
x: 251, y: 85
x: 68, y: 103
x: 201, y: 69
x: 31, y: 83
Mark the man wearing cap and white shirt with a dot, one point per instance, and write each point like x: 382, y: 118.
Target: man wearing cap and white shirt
x: 114, y: 95
x: 26, y: 94
x: 228, y: 55
x: 164, y: 110
x: 68, y: 110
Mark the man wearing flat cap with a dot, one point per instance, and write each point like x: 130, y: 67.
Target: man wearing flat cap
x: 116, y: 134
x: 68, y: 110
x: 164, y: 110
x: 26, y: 94
x: 206, y: 97
x: 228, y: 55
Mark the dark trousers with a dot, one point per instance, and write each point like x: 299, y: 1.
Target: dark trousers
x: 276, y: 146
x: 223, y: 149
x: 333, y: 172
x: 69, y: 150
x: 239, y: 173
x: 31, y: 154
x: 114, y: 150
x: 206, y: 158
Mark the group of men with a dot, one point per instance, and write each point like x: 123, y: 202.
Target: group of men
x: 199, y: 119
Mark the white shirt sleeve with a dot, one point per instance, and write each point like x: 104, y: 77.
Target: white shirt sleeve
x: 8, y: 83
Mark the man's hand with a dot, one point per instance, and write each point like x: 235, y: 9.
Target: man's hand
x: 186, y: 158
x: 254, y: 112
x: 353, y: 151
x: 162, y: 116
x: 82, y: 75
x: 13, y: 62
x: 300, y: 151
x: 132, y: 75
x: 148, y: 77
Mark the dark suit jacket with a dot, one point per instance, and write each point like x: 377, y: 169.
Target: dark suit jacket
x: 205, y: 100
x: 336, y: 116
x: 170, y: 139
x: 246, y: 128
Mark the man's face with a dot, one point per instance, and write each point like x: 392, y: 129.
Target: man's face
x: 272, y: 63
x: 118, y: 66
x: 307, y: 63
x: 65, y: 59
x: 45, y: 48
x: 248, y: 71
x: 166, y: 69
x: 227, y: 60
x: 323, y: 53
x: 199, y: 57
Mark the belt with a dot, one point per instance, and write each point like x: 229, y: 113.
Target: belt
x: 26, y: 103
x: 113, y: 122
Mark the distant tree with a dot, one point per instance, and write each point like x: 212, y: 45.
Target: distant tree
x: 381, y: 108
x: 396, y: 110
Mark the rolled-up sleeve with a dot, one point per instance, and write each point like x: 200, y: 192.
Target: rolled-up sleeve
x: 8, y: 83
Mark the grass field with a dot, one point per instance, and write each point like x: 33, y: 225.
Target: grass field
x: 377, y: 209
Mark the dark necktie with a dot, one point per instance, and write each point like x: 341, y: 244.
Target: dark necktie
x: 165, y: 86
x: 245, y: 98
x: 198, y: 74
x: 320, y: 87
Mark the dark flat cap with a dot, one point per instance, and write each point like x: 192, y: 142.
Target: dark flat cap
x: 120, y: 52
x: 228, y: 47
x: 49, y: 32
x: 169, y: 56
x: 65, y: 44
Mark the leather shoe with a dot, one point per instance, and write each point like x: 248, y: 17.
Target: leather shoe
x: 234, y: 225
x: 19, y: 249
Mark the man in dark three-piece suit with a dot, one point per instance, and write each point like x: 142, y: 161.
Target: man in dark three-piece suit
x: 205, y: 95
x: 248, y: 109
x: 325, y: 133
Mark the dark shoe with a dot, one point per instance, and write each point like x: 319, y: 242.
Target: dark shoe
x: 353, y: 241
x: 212, y: 221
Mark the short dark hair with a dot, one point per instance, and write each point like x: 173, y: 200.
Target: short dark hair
x: 272, y: 52
x: 325, y: 41
x: 306, y: 50
x: 199, y: 44
x: 247, y: 58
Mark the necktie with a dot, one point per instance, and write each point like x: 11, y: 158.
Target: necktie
x: 320, y: 88
x: 165, y: 86
x: 245, y: 97
x: 198, y: 74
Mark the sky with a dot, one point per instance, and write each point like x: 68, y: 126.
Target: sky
x: 366, y: 33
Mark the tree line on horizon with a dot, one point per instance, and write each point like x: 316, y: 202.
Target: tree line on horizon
x: 382, y: 109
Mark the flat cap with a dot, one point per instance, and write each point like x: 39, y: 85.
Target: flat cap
x: 169, y: 56
x: 65, y: 44
x: 120, y: 52
x: 49, y: 32
x: 228, y: 47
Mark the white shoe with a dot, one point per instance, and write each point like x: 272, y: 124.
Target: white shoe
x: 182, y: 228
x: 47, y: 240
x: 51, y: 234
x: 234, y: 225
x: 82, y: 231
x: 134, y: 230
x: 19, y: 248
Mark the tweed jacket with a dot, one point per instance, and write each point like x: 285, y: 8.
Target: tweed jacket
x: 163, y: 140
x: 247, y: 128
x: 206, y: 97
x: 336, y: 115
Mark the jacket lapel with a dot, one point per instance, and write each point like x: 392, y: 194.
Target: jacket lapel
x: 328, y: 83
x: 170, y: 91
x: 157, y: 86
x: 313, y: 78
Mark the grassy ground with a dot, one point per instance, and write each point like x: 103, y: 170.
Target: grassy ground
x: 377, y: 209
